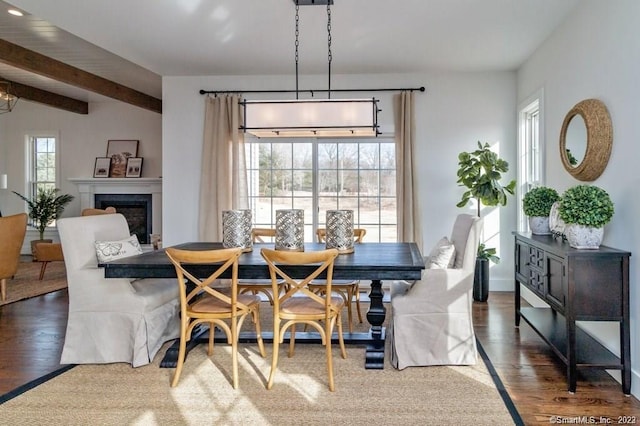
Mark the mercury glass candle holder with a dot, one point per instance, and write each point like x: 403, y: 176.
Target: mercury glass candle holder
x: 339, y: 231
x: 289, y: 230
x: 236, y: 229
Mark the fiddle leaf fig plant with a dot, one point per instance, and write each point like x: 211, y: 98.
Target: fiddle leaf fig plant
x: 538, y: 201
x: 586, y: 205
x: 480, y: 172
x: 46, y: 207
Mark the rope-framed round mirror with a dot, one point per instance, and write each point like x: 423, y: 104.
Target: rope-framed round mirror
x: 586, y: 138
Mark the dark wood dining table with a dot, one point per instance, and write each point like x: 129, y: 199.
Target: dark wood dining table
x: 369, y: 261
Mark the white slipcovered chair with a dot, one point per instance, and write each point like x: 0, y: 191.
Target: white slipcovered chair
x: 112, y: 320
x: 432, y: 319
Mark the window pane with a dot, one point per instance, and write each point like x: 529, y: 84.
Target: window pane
x: 369, y: 182
x: 387, y: 156
x: 369, y: 156
x: 327, y: 155
x: 302, y: 156
x: 281, y: 156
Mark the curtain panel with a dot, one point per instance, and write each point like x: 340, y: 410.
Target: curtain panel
x: 409, y: 216
x: 223, y: 179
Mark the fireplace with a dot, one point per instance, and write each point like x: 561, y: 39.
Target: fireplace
x: 136, y: 208
x: 147, y: 191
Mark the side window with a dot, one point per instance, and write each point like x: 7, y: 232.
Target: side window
x: 42, y: 163
x: 530, y: 151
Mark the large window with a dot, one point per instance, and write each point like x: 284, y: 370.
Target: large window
x: 317, y: 175
x: 43, y: 163
x: 530, y: 151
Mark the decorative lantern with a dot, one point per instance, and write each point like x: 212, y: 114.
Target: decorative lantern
x: 236, y: 229
x: 290, y: 230
x: 340, y: 230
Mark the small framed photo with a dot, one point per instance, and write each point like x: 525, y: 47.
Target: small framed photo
x: 134, y: 167
x: 101, y: 168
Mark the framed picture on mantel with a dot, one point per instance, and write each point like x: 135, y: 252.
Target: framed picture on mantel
x: 101, y: 168
x: 134, y: 167
x: 119, y: 151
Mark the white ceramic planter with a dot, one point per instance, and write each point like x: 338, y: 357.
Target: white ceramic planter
x: 583, y: 237
x: 539, y: 225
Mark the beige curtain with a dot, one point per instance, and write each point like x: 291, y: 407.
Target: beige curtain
x: 409, y: 217
x: 223, y: 180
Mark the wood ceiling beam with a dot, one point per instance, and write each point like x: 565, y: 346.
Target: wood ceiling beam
x: 48, y: 98
x: 28, y: 60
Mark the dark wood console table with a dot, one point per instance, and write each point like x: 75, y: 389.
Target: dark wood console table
x: 369, y: 261
x: 578, y: 285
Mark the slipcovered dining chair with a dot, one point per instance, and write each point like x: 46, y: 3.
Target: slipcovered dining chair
x: 299, y: 305
x: 112, y: 319
x: 431, y: 321
x: 348, y: 289
x: 203, y: 303
x: 12, y: 231
x: 256, y: 286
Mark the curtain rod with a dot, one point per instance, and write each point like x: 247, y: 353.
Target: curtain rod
x: 401, y: 89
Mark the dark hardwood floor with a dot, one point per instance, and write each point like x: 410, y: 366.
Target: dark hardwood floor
x: 32, y: 333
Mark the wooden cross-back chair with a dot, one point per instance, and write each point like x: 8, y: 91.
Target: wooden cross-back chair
x: 349, y: 290
x: 259, y: 235
x: 299, y: 305
x: 214, y: 306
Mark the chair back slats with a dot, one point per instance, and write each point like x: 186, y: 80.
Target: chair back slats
x: 358, y: 235
x: 259, y: 234
x: 277, y: 260
x: 227, y: 258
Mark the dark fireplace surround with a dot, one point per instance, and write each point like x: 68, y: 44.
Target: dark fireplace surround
x: 136, y: 208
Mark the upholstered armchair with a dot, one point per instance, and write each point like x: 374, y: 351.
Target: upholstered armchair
x: 12, y: 231
x: 112, y: 320
x: 431, y: 318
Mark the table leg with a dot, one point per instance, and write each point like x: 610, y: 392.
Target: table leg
x: 374, y: 358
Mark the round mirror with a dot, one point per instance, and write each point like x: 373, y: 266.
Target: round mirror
x: 585, y: 140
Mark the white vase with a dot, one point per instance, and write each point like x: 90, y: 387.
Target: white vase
x: 583, y: 237
x: 539, y: 225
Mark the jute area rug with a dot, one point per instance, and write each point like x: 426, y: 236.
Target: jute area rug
x: 25, y: 283
x: 117, y: 394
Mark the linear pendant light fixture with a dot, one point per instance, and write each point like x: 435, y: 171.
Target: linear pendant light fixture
x: 311, y: 117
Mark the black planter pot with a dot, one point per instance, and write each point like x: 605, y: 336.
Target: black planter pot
x: 481, y: 281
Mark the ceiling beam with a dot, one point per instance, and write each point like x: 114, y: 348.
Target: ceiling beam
x: 28, y: 60
x: 47, y: 98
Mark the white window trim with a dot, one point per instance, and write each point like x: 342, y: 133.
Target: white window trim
x: 524, y: 108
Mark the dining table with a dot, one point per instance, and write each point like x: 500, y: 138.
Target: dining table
x: 372, y: 261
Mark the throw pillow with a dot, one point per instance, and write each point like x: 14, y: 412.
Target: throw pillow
x: 442, y: 256
x: 112, y: 250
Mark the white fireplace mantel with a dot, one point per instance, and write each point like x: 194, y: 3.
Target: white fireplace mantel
x: 88, y: 187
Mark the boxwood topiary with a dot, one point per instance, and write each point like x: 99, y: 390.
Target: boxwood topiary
x: 586, y: 205
x: 538, y: 201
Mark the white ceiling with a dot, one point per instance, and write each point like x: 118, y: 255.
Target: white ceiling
x: 141, y: 40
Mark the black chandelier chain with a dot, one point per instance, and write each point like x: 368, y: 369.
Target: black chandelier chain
x: 329, y: 56
x: 297, y: 43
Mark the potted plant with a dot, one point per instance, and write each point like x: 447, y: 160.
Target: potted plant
x: 537, y: 205
x: 44, y: 209
x: 480, y: 172
x: 585, y: 209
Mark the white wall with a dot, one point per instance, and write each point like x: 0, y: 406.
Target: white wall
x: 456, y: 111
x: 594, y: 54
x: 82, y: 138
